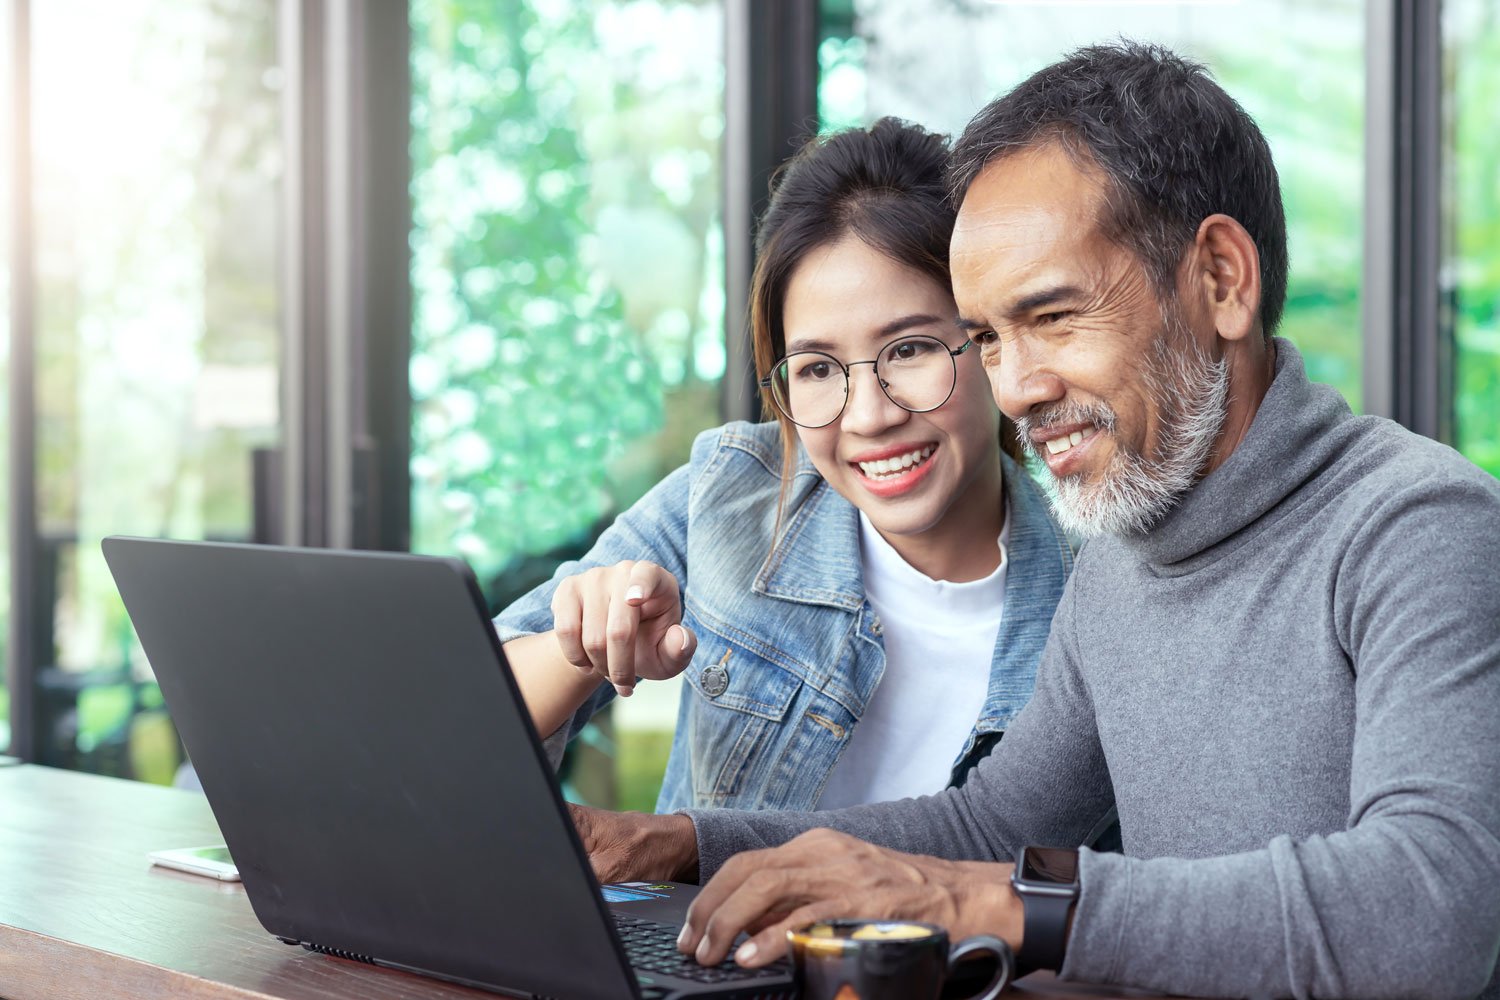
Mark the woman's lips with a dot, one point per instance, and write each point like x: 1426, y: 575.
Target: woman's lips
x: 893, y: 484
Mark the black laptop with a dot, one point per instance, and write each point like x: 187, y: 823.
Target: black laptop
x: 377, y: 779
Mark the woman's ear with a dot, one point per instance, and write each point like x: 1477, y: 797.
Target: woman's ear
x: 1226, y: 272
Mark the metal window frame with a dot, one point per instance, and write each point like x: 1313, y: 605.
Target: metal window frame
x: 343, y: 478
x: 1408, y: 365
x: 380, y: 343
x: 770, y: 105
x: 302, y: 519
x: 21, y: 647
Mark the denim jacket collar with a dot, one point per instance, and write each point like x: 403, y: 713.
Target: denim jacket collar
x: 816, y: 558
x: 816, y: 561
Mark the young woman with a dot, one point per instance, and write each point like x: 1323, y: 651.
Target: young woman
x: 857, y: 594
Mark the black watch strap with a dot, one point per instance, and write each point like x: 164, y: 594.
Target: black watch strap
x: 1044, y: 933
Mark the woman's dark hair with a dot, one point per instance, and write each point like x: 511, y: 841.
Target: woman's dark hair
x: 884, y: 185
x: 1173, y: 146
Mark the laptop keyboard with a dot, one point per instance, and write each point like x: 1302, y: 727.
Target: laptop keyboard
x: 652, y: 947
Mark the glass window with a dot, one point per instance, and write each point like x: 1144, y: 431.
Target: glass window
x: 155, y: 192
x: 1303, y: 82
x: 1472, y: 36
x: 568, y: 291
x: 5, y: 195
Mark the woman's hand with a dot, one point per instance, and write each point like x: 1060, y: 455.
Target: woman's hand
x: 622, y: 622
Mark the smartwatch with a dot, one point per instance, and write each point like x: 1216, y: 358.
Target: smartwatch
x: 1046, y: 879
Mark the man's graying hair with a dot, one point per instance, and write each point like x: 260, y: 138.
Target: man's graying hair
x: 1174, y: 147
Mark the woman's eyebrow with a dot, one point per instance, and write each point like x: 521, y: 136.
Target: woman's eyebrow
x: 895, y: 326
x: 907, y: 322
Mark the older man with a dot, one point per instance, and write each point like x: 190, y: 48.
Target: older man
x: 1279, y: 659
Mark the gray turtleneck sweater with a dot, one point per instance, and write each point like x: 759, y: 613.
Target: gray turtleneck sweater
x: 1290, y: 689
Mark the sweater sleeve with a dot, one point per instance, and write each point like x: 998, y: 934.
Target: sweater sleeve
x: 1404, y: 901
x: 1045, y: 784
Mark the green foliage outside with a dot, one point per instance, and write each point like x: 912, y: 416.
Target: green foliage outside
x: 524, y: 381
x: 544, y: 367
x: 1474, y: 216
x: 641, y: 758
x: 1308, y: 97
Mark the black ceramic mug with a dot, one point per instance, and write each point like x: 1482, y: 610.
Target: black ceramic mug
x: 888, y: 960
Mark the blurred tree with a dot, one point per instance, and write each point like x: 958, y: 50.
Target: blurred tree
x: 525, y: 380
x: 1473, y: 215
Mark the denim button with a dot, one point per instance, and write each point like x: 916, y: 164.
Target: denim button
x: 875, y: 627
x: 715, y: 680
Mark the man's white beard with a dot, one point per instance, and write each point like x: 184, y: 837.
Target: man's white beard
x: 1191, y: 393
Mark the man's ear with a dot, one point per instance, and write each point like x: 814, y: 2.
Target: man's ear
x: 1226, y: 273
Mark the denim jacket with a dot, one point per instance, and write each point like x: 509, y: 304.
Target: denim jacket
x: 789, y: 651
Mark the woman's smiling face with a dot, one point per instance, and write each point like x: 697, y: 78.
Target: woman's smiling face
x: 927, y: 481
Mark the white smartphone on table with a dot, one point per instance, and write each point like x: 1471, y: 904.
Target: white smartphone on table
x: 211, y: 861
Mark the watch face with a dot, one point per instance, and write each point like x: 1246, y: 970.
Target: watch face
x: 1050, y: 864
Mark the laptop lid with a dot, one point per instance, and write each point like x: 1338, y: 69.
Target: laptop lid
x: 370, y: 762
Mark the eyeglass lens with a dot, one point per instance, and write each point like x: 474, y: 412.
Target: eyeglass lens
x: 916, y: 373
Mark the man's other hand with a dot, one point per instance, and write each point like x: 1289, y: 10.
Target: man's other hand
x: 823, y: 875
x: 637, y: 847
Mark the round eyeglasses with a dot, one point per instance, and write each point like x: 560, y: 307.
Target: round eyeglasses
x: 915, y: 373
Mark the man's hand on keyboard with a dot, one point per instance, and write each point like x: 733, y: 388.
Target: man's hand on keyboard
x: 823, y: 875
x: 637, y: 846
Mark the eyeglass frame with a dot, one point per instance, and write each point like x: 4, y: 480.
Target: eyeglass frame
x: 953, y: 352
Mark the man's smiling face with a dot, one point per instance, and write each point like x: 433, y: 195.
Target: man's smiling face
x: 1110, y: 387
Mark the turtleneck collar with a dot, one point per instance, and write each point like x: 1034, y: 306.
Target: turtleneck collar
x: 1289, y: 440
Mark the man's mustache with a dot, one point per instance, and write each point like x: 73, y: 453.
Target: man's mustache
x: 1063, y: 412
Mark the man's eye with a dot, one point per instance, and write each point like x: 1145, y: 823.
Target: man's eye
x: 1047, y: 319
x: 984, y: 338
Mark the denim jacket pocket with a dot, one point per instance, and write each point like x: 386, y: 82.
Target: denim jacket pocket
x: 733, y: 717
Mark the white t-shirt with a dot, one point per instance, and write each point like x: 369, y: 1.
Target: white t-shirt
x: 939, y: 643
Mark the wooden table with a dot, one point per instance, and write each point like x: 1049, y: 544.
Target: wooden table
x: 84, y: 914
